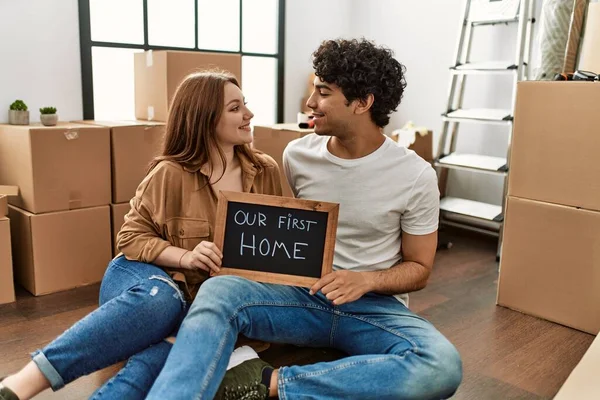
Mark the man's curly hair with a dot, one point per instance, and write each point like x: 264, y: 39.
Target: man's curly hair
x: 360, y: 68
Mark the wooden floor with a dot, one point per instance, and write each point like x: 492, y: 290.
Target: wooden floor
x: 506, y: 355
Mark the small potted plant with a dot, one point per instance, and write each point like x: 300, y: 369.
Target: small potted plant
x: 48, y: 116
x: 18, y: 114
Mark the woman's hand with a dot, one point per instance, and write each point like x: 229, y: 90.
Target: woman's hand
x: 206, y: 256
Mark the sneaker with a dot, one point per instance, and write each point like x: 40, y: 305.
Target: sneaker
x: 6, y: 393
x: 244, y: 382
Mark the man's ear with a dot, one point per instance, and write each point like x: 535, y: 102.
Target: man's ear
x: 364, y: 105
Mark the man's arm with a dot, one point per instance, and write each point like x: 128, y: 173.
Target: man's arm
x: 418, y: 252
x: 410, y: 275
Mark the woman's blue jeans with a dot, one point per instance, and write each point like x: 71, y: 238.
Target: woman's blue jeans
x: 140, y: 305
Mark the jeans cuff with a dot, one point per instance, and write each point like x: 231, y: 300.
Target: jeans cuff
x: 51, y: 374
x: 280, y: 380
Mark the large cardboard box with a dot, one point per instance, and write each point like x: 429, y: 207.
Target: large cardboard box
x: 60, y: 250
x: 158, y: 74
x: 118, y: 212
x: 550, y: 263
x: 56, y: 168
x: 7, y: 288
x: 556, y: 143
x: 273, y: 140
x: 133, y: 145
x: 583, y: 383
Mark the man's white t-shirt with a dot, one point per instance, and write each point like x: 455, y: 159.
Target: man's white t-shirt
x: 381, y: 195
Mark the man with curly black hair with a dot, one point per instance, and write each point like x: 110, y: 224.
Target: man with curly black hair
x: 385, y: 247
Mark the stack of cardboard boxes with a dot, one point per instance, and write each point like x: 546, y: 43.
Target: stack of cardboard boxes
x: 133, y: 145
x: 60, y: 226
x: 550, y: 261
x: 75, y: 180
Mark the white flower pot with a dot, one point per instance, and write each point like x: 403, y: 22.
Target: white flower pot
x: 49, y: 119
x: 16, y: 117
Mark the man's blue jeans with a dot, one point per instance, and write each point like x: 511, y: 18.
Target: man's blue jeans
x: 139, y: 306
x: 394, y: 354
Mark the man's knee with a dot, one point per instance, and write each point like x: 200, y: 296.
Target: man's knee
x: 434, y: 372
x: 226, y: 286
x: 451, y: 368
x: 446, y: 369
x: 224, y: 293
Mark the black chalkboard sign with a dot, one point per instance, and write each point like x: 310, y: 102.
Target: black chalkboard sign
x: 275, y: 239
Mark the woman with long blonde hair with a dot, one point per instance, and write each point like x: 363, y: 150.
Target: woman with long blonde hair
x: 165, y: 243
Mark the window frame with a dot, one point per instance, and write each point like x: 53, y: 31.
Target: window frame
x: 86, y: 44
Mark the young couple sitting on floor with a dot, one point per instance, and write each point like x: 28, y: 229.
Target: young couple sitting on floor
x: 158, y: 288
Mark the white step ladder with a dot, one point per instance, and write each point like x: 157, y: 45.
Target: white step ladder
x: 469, y: 214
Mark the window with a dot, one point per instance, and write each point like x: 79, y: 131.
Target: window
x: 111, y: 31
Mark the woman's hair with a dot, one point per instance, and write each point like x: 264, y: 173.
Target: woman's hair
x: 193, y: 116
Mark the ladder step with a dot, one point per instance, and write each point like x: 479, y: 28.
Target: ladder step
x: 492, y: 21
x: 489, y: 67
x: 475, y: 162
x: 470, y: 208
x: 487, y: 115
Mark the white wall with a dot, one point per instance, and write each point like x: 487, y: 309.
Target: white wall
x: 423, y: 34
x: 307, y: 24
x: 40, y: 57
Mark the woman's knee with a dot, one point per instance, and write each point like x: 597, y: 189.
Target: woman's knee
x: 164, y: 296
x: 156, y: 302
x: 122, y: 274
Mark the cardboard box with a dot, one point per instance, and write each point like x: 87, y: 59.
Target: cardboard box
x: 56, y: 168
x: 589, y: 59
x: 133, y: 145
x: 159, y: 73
x: 273, y: 140
x: 117, y: 212
x: 303, y: 107
x: 60, y: 250
x: 550, y: 263
x: 556, y: 142
x: 6, y: 191
x: 7, y: 286
x: 583, y: 383
x: 421, y: 142
x: 307, y: 93
x: 310, y: 84
x: 3, y: 205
